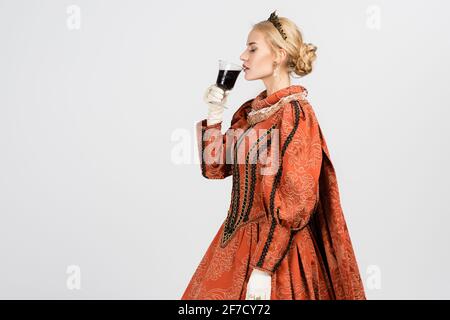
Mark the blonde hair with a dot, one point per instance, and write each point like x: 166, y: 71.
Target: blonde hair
x: 300, y: 55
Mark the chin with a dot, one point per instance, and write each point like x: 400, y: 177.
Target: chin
x: 249, y: 78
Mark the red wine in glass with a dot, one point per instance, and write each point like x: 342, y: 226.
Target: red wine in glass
x: 228, y: 74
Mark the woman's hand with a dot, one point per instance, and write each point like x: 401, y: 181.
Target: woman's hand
x: 259, y: 285
x: 215, y: 98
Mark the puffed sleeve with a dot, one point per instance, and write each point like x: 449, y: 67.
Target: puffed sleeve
x: 216, y: 149
x: 292, y: 192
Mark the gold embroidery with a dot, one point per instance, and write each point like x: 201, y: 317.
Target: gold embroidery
x: 256, y: 116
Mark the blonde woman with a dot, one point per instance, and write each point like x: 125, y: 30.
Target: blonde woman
x: 285, y: 236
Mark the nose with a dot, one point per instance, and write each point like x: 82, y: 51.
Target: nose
x: 243, y: 56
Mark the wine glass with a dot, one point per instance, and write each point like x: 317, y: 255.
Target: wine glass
x: 228, y: 74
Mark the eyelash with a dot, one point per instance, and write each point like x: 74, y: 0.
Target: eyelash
x: 253, y: 50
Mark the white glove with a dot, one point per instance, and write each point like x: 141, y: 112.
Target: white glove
x: 216, y: 98
x: 259, y: 285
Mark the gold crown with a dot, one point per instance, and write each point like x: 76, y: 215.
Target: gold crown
x: 274, y: 19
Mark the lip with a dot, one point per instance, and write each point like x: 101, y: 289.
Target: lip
x: 245, y: 67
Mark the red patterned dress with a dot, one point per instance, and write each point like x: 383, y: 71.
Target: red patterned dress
x: 285, y: 215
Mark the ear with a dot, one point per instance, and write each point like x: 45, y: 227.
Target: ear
x: 281, y: 55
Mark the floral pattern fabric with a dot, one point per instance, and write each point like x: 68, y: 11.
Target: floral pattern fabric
x: 285, y: 215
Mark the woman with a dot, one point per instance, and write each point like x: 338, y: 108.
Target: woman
x: 285, y: 236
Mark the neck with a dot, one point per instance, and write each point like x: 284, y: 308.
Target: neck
x: 274, y: 84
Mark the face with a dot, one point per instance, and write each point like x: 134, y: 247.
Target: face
x: 258, y: 57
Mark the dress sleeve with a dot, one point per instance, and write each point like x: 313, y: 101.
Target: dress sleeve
x: 212, y: 150
x: 293, y: 190
x: 216, y: 149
